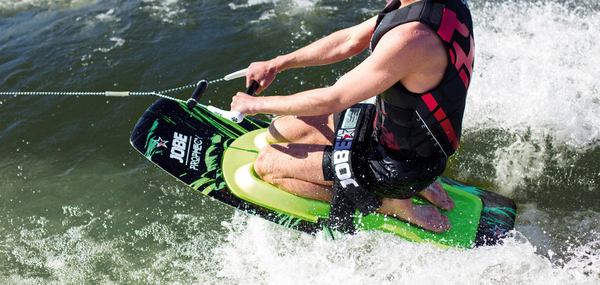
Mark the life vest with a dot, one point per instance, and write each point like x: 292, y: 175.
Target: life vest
x: 427, y: 124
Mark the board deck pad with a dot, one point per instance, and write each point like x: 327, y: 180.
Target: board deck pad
x: 214, y: 156
x: 244, y: 183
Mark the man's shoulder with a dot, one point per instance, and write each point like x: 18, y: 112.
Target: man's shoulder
x: 413, y: 34
x: 414, y: 38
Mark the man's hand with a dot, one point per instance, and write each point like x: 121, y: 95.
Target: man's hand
x: 244, y: 103
x: 263, y: 72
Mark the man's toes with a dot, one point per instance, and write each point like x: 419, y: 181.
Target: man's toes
x: 425, y: 216
x: 431, y: 219
x: 436, y: 194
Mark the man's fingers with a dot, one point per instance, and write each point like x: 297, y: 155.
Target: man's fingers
x: 249, y: 78
x: 261, y: 86
x: 436, y: 194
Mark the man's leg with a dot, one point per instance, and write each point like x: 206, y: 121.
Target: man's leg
x: 319, y: 130
x: 297, y: 168
x: 307, y: 130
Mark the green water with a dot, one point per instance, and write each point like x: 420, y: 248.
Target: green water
x: 79, y: 205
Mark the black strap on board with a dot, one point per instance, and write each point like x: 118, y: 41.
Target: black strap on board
x: 353, y: 135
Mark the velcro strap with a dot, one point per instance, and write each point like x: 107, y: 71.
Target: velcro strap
x: 353, y: 132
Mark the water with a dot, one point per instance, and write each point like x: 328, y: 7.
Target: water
x: 79, y: 205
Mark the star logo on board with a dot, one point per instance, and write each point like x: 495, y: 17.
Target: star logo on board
x: 161, y: 143
x: 346, y: 134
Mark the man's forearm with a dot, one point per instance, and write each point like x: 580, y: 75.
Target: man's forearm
x: 330, y: 49
x: 336, y: 47
x: 313, y: 102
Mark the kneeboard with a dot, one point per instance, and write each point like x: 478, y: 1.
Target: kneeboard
x: 214, y: 156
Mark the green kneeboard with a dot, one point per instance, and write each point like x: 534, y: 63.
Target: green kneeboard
x: 243, y: 182
x: 214, y: 157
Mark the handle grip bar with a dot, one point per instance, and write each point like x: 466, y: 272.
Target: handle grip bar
x: 237, y: 116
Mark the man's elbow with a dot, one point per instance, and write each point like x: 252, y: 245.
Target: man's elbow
x: 355, y: 43
x: 354, y: 46
x: 336, y: 105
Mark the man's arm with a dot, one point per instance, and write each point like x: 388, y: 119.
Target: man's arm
x: 330, y: 49
x: 401, y: 52
x: 337, y: 46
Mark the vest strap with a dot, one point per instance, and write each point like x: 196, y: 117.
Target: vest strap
x: 353, y: 134
x: 425, y: 11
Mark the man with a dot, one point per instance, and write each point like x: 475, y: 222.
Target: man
x: 420, y: 69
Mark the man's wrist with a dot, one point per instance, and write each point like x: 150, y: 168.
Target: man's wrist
x: 280, y: 63
x: 258, y: 105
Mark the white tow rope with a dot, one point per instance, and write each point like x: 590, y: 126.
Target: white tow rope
x: 234, y: 116
x: 161, y: 93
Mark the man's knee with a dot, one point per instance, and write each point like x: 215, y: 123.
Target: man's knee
x: 300, y: 129
x: 278, y: 129
x: 263, y: 165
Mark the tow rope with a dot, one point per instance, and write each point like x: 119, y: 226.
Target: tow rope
x: 161, y: 93
x: 191, y: 102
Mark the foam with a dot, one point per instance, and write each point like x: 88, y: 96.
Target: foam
x: 168, y: 11
x: 535, y: 80
x: 536, y: 69
x: 166, y: 245
x: 12, y: 6
x: 280, y: 256
x: 165, y: 252
x: 108, y: 16
x: 278, y: 7
x: 117, y: 42
x: 251, y: 3
x: 518, y: 161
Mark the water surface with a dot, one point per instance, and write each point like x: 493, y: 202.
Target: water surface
x: 78, y: 204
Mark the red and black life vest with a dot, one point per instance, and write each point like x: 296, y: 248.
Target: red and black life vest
x: 427, y: 124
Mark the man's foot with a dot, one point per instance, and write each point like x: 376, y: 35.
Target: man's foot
x: 436, y: 194
x: 425, y: 216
